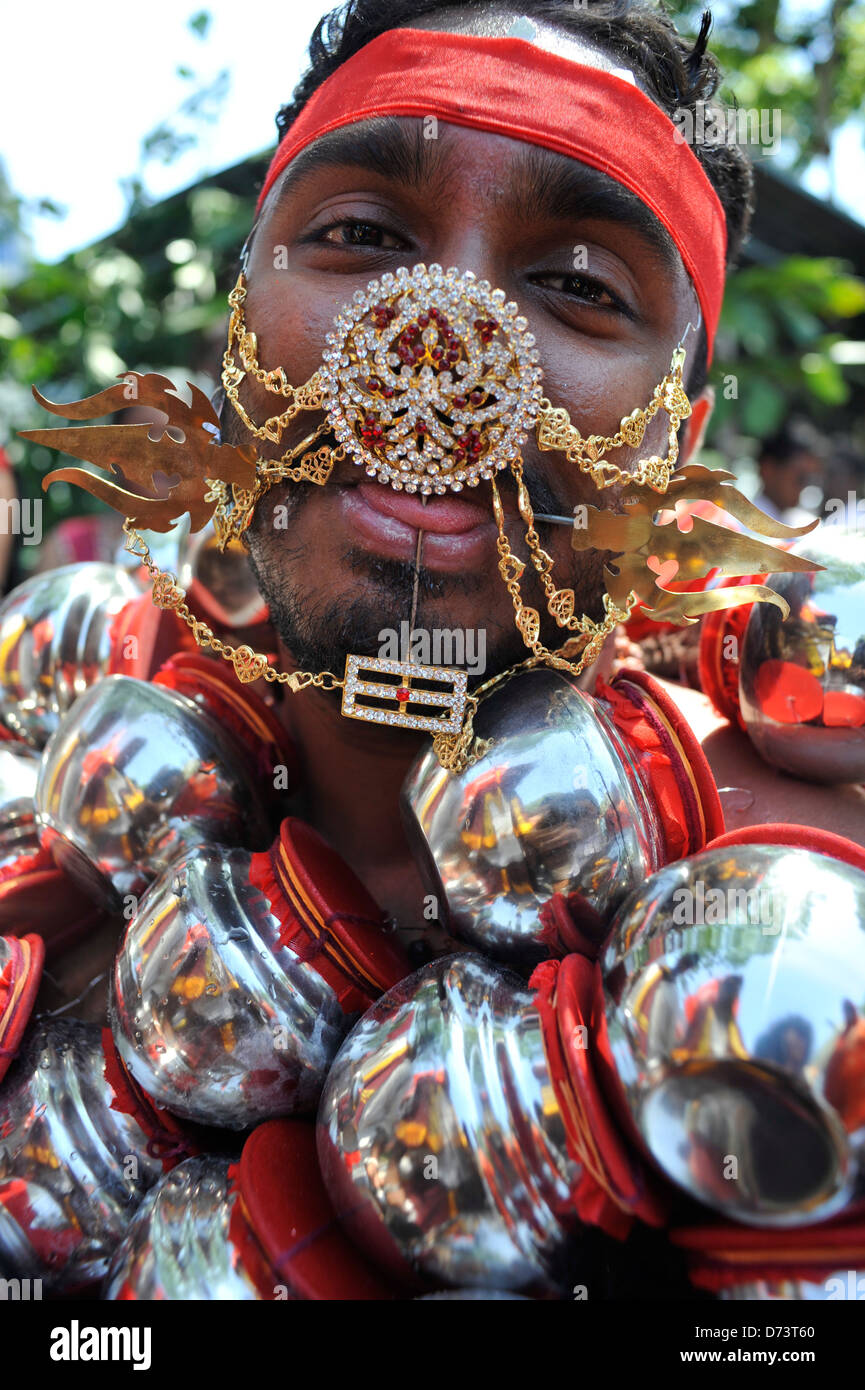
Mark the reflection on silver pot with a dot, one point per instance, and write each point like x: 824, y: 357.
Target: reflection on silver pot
x: 735, y: 988
x: 55, y: 642
x: 441, y: 1143
x: 802, y: 678
x: 557, y: 809
x: 72, y: 1168
x: 214, y: 1019
x: 135, y: 775
x: 19, y: 833
x: 177, y: 1246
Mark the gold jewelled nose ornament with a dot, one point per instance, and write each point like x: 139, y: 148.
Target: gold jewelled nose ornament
x: 430, y: 382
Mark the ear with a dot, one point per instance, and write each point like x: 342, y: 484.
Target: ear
x: 701, y: 414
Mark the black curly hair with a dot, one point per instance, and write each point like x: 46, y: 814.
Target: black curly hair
x: 677, y: 74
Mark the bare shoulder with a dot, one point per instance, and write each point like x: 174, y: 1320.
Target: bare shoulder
x: 758, y: 792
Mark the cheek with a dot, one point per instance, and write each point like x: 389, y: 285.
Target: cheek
x: 599, y: 389
x: 291, y: 321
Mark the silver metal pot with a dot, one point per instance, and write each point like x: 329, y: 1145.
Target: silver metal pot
x: 214, y: 1019
x: 735, y: 985
x: 55, y: 643
x: 177, y: 1246
x: 72, y: 1169
x: 136, y: 775
x: 440, y: 1141
x: 19, y: 833
x: 556, y: 807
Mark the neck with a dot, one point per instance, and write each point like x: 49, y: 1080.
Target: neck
x: 352, y: 777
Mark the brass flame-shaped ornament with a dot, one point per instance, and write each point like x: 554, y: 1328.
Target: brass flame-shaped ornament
x: 430, y: 382
x: 131, y: 451
x: 683, y: 554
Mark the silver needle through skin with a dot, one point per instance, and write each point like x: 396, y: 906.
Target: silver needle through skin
x: 417, y: 557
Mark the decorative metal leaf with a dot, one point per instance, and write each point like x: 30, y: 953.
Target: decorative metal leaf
x: 636, y: 539
x: 130, y: 448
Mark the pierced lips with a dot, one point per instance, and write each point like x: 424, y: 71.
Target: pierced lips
x: 446, y: 516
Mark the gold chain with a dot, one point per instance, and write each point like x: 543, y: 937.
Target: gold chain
x: 234, y: 507
x: 511, y: 569
x: 309, y: 396
x: 555, y: 431
x: 248, y: 665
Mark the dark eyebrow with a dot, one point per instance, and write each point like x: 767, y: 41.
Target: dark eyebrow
x: 541, y: 183
x: 554, y: 186
x: 391, y: 146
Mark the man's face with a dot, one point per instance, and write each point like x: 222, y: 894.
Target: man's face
x: 606, y: 299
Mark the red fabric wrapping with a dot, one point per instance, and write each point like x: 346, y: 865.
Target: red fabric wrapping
x: 53, y: 1248
x: 283, y: 1225
x: 19, y: 985
x: 571, y: 924
x: 143, y: 636
x: 169, y: 1142
x: 674, y: 766
x: 613, y: 1188
x: 516, y: 89
x: 654, y: 757
x: 721, y: 1255
x: 688, y: 749
x: 27, y: 864
x: 718, y: 675
x: 35, y: 893
x: 327, y: 916
x: 800, y: 836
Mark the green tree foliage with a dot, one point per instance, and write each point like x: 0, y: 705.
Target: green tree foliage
x: 780, y: 345
x: 806, y: 59
x: 791, y: 328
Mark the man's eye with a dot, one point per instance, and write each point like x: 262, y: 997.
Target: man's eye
x: 352, y: 233
x: 581, y: 287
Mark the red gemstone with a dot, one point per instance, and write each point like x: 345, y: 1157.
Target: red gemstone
x: 403, y: 694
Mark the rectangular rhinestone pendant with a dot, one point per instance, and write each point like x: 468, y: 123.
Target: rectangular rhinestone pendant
x: 450, y: 699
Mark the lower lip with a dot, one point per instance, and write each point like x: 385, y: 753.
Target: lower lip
x: 384, y: 534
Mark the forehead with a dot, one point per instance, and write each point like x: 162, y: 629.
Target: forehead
x: 498, y: 22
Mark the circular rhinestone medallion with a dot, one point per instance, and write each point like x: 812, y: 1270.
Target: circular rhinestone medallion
x: 431, y: 381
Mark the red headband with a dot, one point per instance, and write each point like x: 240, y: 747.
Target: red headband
x: 516, y: 89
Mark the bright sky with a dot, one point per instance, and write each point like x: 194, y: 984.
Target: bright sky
x: 83, y: 84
